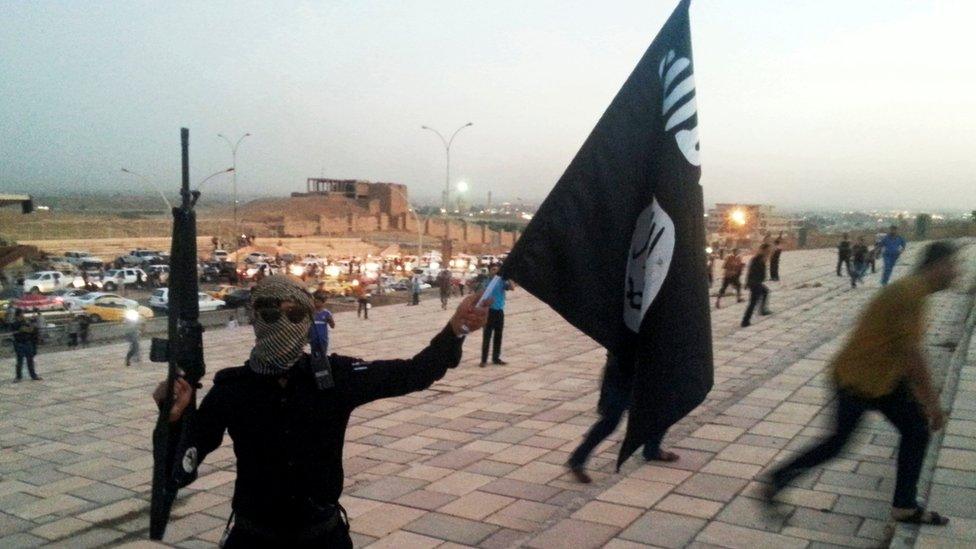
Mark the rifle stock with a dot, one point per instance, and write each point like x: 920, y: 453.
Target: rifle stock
x: 183, y: 350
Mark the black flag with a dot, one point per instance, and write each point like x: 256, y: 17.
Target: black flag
x: 618, y: 246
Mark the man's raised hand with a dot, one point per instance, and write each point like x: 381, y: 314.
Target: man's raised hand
x: 469, y: 316
x: 181, y: 397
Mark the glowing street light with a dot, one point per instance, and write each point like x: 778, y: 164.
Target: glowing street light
x: 738, y: 216
x: 462, y: 186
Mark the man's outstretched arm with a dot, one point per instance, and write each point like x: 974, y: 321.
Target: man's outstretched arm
x: 373, y: 380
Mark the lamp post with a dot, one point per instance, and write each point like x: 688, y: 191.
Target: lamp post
x: 233, y: 152
x: 447, y: 151
x: 149, y: 182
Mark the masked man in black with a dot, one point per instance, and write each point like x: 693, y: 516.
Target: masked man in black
x: 288, y: 429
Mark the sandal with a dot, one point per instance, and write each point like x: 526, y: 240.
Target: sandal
x: 921, y: 516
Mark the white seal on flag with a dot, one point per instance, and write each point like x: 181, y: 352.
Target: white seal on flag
x: 678, y: 90
x: 648, y: 261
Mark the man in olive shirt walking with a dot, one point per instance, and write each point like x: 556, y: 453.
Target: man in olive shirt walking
x: 882, y: 367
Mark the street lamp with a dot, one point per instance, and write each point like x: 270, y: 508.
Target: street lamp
x: 151, y: 184
x: 233, y: 152
x: 447, y: 151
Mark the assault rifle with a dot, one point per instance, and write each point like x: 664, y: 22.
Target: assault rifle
x: 183, y: 349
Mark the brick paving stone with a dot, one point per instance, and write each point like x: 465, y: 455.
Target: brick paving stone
x: 574, y: 534
x: 715, y: 487
x: 460, y: 483
x: 824, y: 521
x: 406, y: 540
x: 389, y: 488
x: 519, y: 489
x: 476, y: 505
x: 384, y: 519
x: 635, y: 492
x: 456, y: 529
x: 687, y: 505
x: 423, y: 499
x: 738, y: 537
x: 608, y: 513
x: 663, y: 529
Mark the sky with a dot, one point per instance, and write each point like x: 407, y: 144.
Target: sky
x: 827, y: 104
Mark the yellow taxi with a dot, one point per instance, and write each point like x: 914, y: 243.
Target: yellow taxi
x: 113, y: 309
x: 222, y: 291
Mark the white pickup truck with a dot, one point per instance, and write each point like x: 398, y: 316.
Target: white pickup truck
x: 111, y: 279
x: 78, y: 259
x: 43, y: 282
x: 139, y: 257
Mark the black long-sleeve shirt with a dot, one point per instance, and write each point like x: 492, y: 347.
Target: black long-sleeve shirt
x: 757, y: 271
x: 288, y: 440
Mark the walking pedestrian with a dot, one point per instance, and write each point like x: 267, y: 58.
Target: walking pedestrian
x: 322, y: 321
x: 844, y: 254
x: 492, y: 336
x: 731, y: 276
x: 415, y: 283
x: 615, y: 399
x: 758, y: 292
x: 444, y: 285
x: 774, y: 260
x: 132, y: 336
x: 882, y: 367
x: 288, y: 430
x: 25, y: 334
x: 362, y: 301
x: 859, y: 261
x: 84, y: 322
x: 892, y: 245
x: 73, y: 328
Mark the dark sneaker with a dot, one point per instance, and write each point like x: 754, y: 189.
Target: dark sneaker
x: 482, y: 365
x: 499, y: 362
x: 579, y: 473
x: 745, y: 324
x: 38, y: 378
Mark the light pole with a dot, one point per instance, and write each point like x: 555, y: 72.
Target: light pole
x: 233, y: 152
x: 447, y: 151
x: 151, y: 184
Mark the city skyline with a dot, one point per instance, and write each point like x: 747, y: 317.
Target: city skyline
x: 801, y: 106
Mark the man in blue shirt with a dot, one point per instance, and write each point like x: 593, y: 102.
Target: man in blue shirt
x: 892, y: 245
x: 319, y: 332
x: 496, y: 321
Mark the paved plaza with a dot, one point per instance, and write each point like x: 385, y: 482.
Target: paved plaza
x: 478, y: 460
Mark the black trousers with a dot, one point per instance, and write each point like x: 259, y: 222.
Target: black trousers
x: 902, y: 410
x: 600, y: 430
x: 362, y: 309
x: 757, y: 294
x: 774, y: 268
x: 338, y: 538
x: 493, y: 334
x: 843, y: 260
x: 730, y: 281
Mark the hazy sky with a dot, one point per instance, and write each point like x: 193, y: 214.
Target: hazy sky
x: 830, y: 103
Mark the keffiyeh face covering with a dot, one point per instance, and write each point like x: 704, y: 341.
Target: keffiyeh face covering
x: 280, y: 336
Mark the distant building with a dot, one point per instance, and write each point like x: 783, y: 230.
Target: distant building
x: 747, y: 223
x: 391, y: 197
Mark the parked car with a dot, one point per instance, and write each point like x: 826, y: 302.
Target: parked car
x: 112, y: 308
x: 79, y: 259
x: 215, y: 271
x: 110, y: 280
x: 161, y: 270
x: 251, y: 271
x: 79, y: 303
x: 257, y: 257
x: 71, y: 297
x: 160, y: 300
x: 222, y: 291
x: 43, y: 282
x: 219, y: 255
x: 240, y: 297
x: 40, y: 302
x: 139, y: 257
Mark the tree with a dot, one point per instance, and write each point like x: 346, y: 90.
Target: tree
x: 973, y: 215
x: 922, y: 224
